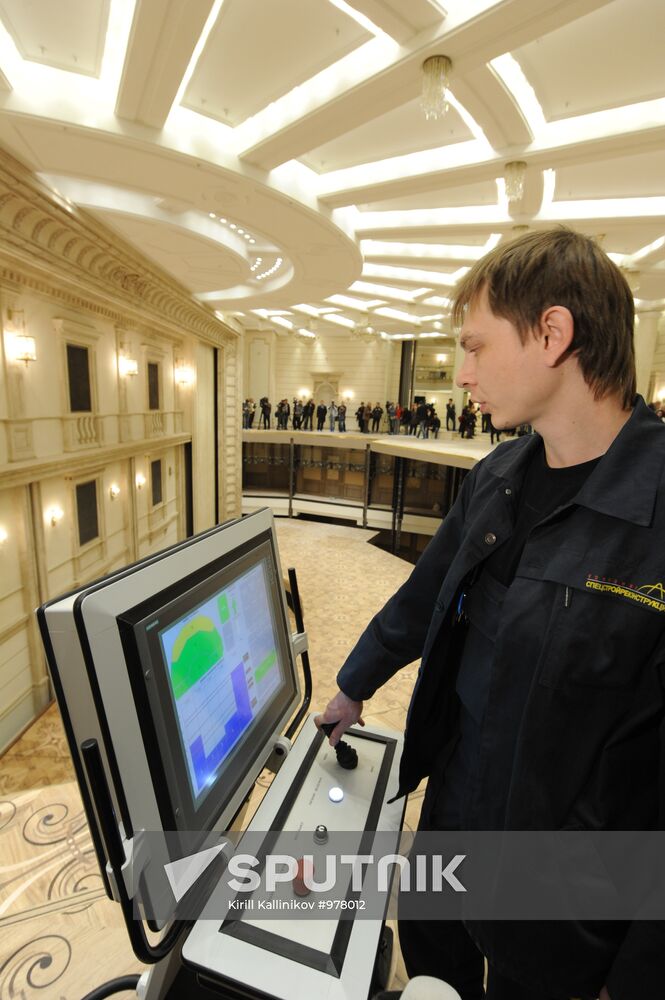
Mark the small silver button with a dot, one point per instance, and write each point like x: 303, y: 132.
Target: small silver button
x: 509, y: 492
x: 490, y: 538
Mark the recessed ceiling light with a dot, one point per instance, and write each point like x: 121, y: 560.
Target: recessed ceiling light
x: 212, y: 215
x: 232, y: 225
x: 252, y: 241
x: 223, y: 221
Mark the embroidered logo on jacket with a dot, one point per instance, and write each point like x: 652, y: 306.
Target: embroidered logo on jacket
x: 650, y: 594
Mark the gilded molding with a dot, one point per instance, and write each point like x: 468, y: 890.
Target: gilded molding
x: 70, y: 255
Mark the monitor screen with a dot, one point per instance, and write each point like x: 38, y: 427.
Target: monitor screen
x: 224, y: 670
x: 212, y: 674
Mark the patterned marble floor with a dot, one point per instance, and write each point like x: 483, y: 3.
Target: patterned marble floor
x: 60, y: 935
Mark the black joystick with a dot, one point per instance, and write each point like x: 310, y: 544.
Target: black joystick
x: 346, y: 755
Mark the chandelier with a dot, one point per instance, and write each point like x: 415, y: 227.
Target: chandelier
x: 436, y: 73
x: 514, y: 175
x: 363, y: 331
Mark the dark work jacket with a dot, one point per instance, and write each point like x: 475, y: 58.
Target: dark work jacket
x: 587, y: 611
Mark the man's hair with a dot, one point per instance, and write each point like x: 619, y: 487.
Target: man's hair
x: 559, y: 267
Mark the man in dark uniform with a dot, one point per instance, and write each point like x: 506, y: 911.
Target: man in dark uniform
x: 266, y: 407
x: 540, y: 700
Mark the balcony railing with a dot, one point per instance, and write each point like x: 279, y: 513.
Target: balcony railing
x: 82, y: 430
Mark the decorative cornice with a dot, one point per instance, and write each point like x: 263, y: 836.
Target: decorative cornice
x: 65, y: 252
x: 23, y: 472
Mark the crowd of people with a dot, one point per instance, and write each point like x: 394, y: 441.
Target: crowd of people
x: 418, y: 420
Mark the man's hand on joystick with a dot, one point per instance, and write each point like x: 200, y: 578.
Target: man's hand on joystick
x: 341, y: 713
x: 346, y: 755
x: 344, y: 713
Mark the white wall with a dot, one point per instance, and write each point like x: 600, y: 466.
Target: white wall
x: 368, y: 370
x: 259, y: 365
x: 46, y: 451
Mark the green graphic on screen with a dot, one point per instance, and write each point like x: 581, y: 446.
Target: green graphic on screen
x: 197, y: 648
x: 223, y: 608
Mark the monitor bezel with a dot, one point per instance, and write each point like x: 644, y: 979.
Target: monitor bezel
x: 160, y: 732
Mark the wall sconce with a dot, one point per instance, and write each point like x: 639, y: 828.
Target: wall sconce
x: 20, y: 347
x: 54, y: 514
x: 3, y: 536
x: 114, y: 491
x: 183, y: 373
x: 127, y: 366
x: 304, y: 393
x: 347, y: 395
x: 23, y: 349
x: 140, y: 481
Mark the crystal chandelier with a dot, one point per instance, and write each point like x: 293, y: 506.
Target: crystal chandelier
x: 363, y: 331
x: 515, y: 172
x: 436, y: 73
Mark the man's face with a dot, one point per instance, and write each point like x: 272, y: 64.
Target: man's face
x: 508, y: 378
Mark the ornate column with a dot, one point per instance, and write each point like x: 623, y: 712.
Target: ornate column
x: 230, y: 429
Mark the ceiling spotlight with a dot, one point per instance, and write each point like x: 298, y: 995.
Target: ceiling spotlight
x: 271, y: 270
x: 232, y: 225
x: 514, y: 175
x: 223, y: 221
x: 252, y: 241
x: 436, y: 73
x: 241, y: 232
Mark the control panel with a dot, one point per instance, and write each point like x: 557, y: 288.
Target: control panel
x: 276, y: 940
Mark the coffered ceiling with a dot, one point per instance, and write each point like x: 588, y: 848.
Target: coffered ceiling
x: 272, y: 155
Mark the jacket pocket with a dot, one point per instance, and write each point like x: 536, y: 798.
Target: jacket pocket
x: 596, y: 640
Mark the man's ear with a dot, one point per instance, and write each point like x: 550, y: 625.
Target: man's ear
x: 557, y: 330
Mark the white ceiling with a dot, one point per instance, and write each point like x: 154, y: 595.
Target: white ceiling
x: 259, y: 51
x: 403, y: 130
x: 607, y: 59
x: 66, y: 34
x: 272, y: 155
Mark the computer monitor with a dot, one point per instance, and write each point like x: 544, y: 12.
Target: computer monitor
x: 182, y: 667
x: 208, y: 660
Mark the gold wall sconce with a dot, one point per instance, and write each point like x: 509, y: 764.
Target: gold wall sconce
x: 54, y: 515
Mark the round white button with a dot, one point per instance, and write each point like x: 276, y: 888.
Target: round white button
x: 335, y: 794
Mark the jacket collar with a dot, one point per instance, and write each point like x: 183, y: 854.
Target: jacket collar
x: 625, y: 482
